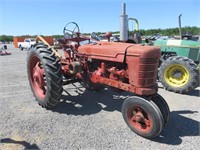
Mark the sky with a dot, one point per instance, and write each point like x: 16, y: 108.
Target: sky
x: 48, y: 17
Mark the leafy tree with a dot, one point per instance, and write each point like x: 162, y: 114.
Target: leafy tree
x: 6, y: 38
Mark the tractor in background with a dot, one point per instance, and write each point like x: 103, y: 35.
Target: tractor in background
x: 180, y: 59
x: 178, y: 69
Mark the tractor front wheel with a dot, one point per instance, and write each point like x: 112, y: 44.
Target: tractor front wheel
x: 179, y: 74
x: 163, y: 106
x: 142, y: 116
x: 44, y: 74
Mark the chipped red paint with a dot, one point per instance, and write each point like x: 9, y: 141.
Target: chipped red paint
x: 142, y: 62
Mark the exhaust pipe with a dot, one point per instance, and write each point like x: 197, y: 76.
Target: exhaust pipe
x: 180, y: 32
x: 123, y: 24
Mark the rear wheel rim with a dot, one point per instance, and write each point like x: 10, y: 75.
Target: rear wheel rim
x: 140, y: 119
x: 176, y: 75
x: 37, y: 76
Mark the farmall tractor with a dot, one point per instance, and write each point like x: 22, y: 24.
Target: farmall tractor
x: 121, y: 66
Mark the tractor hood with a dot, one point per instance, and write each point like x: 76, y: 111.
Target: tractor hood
x: 117, y: 52
x: 177, y: 43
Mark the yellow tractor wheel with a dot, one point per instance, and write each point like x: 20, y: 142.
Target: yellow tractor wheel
x: 176, y: 75
x: 179, y: 74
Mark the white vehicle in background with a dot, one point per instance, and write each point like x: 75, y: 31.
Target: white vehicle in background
x: 28, y: 42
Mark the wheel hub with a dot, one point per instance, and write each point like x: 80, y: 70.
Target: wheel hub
x: 140, y: 119
x: 176, y: 75
x: 38, y: 76
x: 38, y: 81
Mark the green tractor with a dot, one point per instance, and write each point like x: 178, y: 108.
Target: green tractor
x: 180, y: 61
x: 178, y: 71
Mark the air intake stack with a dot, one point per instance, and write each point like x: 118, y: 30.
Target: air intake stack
x: 123, y: 24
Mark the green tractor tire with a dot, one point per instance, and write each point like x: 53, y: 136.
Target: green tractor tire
x: 179, y: 74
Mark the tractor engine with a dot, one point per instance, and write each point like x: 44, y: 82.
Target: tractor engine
x: 129, y: 67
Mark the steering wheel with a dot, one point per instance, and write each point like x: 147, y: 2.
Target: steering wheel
x: 71, y: 30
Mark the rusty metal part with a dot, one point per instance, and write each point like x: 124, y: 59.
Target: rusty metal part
x: 96, y: 78
x: 39, y: 38
x: 75, y: 67
x: 103, y: 67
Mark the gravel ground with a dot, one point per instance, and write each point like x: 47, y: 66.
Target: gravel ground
x: 84, y: 120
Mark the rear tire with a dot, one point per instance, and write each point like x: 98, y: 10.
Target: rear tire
x: 44, y: 74
x: 142, y: 116
x: 179, y: 74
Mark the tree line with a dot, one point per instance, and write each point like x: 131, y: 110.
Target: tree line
x: 166, y: 32
x: 171, y: 31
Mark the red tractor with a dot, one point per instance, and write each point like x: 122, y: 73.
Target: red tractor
x: 121, y: 66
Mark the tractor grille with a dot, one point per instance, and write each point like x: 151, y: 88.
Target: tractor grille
x: 147, y: 71
x: 148, y: 60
